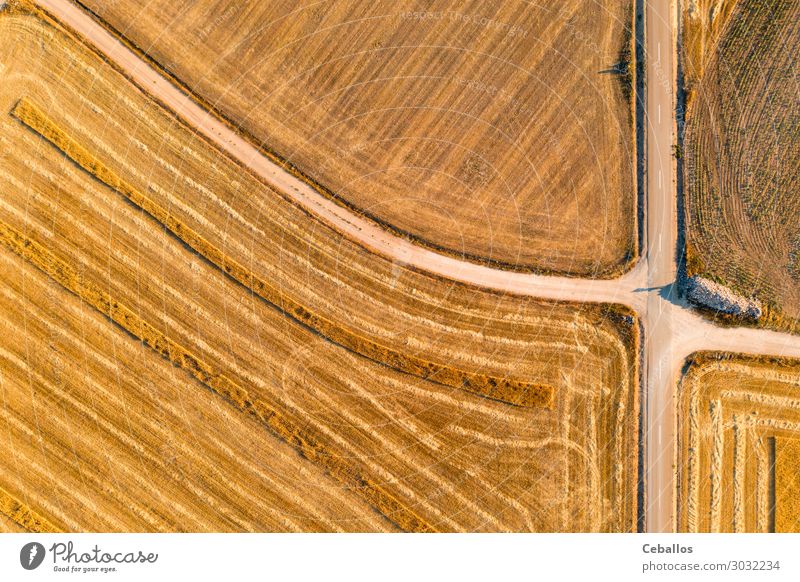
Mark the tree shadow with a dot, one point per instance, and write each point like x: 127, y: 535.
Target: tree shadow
x: 620, y: 68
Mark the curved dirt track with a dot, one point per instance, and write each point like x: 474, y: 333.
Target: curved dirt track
x: 672, y: 331
x: 413, y: 116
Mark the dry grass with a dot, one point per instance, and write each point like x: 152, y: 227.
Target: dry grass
x: 128, y: 370
x: 16, y: 516
x: 8, y: 525
x: 743, y: 155
x: 512, y: 146
x: 787, y: 485
x: 703, y: 22
x: 738, y: 420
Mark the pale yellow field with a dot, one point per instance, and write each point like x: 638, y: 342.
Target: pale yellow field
x: 738, y: 424
x: 495, y: 131
x: 184, y: 350
x: 787, y: 485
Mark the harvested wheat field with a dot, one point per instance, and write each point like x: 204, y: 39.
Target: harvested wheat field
x: 787, y: 484
x: 742, y: 152
x: 738, y: 444
x: 501, y: 132
x: 182, y: 349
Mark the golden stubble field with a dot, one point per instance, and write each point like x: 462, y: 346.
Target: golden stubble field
x: 181, y: 349
x: 742, y: 152
x: 738, y: 444
x: 501, y: 132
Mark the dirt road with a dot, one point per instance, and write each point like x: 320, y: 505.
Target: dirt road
x: 672, y: 330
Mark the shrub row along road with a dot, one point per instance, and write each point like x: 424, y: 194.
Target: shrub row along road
x: 672, y: 330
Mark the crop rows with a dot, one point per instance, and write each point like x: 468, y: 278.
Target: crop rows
x: 738, y: 429
x: 65, y: 275
x: 503, y: 389
x: 22, y: 515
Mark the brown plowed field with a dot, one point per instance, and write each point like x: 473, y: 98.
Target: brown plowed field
x: 743, y: 153
x: 496, y: 131
x: 183, y: 349
x: 738, y: 427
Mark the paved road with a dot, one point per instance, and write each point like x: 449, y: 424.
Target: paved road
x: 672, y: 330
x: 659, y: 253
